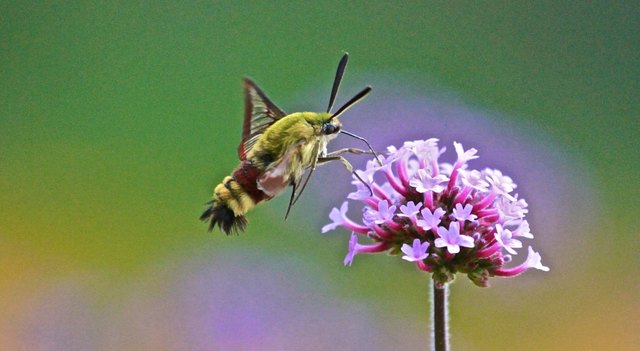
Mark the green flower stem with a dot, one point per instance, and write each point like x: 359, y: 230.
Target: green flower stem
x: 440, y: 315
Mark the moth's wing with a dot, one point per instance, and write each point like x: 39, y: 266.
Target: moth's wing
x: 280, y: 173
x: 283, y: 172
x: 259, y: 114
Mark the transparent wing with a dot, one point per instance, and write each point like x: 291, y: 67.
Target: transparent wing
x: 259, y: 114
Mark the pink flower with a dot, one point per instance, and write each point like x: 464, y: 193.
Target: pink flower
x: 424, y: 182
x: 464, y: 156
x: 468, y: 219
x: 504, y: 237
x: 463, y: 213
x: 355, y: 248
x: 339, y: 218
x: 430, y: 220
x: 451, y: 238
x: 416, y: 252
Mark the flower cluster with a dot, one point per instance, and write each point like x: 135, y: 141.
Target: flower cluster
x: 443, y: 217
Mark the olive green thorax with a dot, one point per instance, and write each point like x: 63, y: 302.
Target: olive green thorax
x: 306, y: 130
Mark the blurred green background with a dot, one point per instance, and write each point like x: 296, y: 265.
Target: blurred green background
x: 118, y: 118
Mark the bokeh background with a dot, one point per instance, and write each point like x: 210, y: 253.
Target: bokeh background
x: 118, y: 118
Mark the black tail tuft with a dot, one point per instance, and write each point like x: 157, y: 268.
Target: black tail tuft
x: 225, y: 218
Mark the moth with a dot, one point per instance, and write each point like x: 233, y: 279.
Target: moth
x: 276, y: 150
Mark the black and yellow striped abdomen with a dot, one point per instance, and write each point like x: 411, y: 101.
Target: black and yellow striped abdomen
x: 233, y: 198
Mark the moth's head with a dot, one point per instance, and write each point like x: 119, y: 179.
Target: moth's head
x: 324, y: 124
x: 330, y: 126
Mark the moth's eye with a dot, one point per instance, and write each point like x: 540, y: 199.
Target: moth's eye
x: 329, y: 128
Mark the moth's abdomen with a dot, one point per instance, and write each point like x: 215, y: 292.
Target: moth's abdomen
x: 223, y: 216
x: 233, y: 198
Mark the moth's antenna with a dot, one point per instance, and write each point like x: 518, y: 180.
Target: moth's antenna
x: 365, y: 141
x: 336, y: 82
x: 359, y: 96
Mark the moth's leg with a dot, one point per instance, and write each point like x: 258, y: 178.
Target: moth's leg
x: 349, y: 150
x: 332, y: 157
x: 295, y: 195
x: 291, y: 199
x: 355, y: 152
x: 304, y: 185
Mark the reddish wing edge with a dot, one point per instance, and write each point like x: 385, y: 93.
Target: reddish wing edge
x: 259, y: 113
